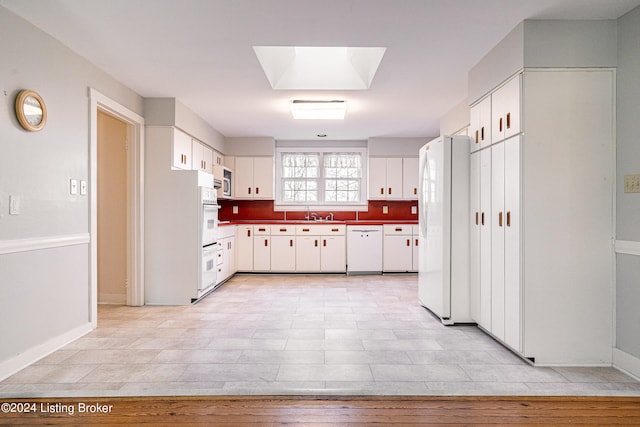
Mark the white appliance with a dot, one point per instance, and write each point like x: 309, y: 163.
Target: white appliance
x: 443, y: 204
x: 209, y: 238
x: 225, y: 175
x: 364, y: 249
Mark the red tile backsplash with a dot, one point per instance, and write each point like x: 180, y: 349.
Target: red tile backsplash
x: 263, y: 210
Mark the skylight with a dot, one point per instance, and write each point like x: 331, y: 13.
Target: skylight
x: 319, y: 68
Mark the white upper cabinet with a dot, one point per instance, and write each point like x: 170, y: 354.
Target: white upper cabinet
x: 393, y: 178
x: 202, y: 157
x: 410, y: 178
x: 480, y: 124
x: 253, y: 177
x: 181, y: 149
x: 505, y: 110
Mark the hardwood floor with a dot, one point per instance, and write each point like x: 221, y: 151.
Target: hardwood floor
x: 330, y: 411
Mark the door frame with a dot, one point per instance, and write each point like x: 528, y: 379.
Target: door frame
x: 135, y: 199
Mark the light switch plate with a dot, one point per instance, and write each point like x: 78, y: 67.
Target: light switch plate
x: 414, y: 210
x: 632, y: 183
x: 73, y: 186
x: 83, y: 188
x: 235, y: 210
x: 14, y: 205
x: 385, y: 210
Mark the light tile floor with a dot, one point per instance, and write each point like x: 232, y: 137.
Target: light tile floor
x: 297, y: 334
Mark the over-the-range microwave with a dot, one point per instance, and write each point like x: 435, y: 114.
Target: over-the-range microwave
x: 224, y: 174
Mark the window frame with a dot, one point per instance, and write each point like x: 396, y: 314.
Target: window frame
x: 322, y: 204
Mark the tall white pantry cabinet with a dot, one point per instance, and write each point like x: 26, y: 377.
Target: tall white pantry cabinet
x: 542, y: 215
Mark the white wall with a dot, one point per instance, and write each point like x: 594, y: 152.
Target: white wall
x: 544, y: 44
x: 44, y: 293
x: 250, y: 146
x: 628, y: 204
x: 384, y: 147
x: 455, y: 119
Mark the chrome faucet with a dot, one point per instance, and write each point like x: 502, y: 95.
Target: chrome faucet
x: 330, y: 216
x: 314, y: 216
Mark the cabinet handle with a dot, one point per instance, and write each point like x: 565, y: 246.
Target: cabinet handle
x: 381, y: 190
x: 398, y: 228
x: 229, y: 245
x: 508, y: 218
x: 476, y: 136
x: 248, y: 233
x: 389, y: 190
x: 262, y: 229
x: 257, y: 190
x: 291, y: 242
x: 205, y: 164
x: 476, y: 218
x: 482, y: 219
x: 266, y: 242
x: 335, y: 230
x: 324, y: 242
x: 500, y: 124
x: 415, y: 190
x: 408, y: 242
x: 508, y: 120
x: 316, y: 243
x: 482, y: 133
x: 284, y: 230
x: 249, y: 190
x: 416, y: 242
x: 305, y: 230
x: 500, y: 219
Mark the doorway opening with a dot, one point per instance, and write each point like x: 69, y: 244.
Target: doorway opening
x: 105, y: 111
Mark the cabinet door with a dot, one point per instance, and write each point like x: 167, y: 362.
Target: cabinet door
x: 377, y: 178
x: 262, y: 253
x: 207, y: 159
x: 484, y: 122
x: 485, y: 239
x: 474, y: 237
x: 308, y: 253
x: 416, y: 241
x: 201, y: 157
x: 244, y: 178
x: 263, y: 177
x: 410, y: 178
x: 474, y: 127
x: 283, y: 253
x: 244, y: 250
x: 181, y: 148
x: 512, y: 244
x: 397, y: 253
x: 333, y: 254
x: 497, y: 240
x: 506, y: 110
x: 394, y: 178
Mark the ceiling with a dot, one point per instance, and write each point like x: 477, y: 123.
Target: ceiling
x: 201, y: 52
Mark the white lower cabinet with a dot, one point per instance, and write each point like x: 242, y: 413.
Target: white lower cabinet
x: 261, y: 248
x: 333, y: 254
x: 398, y: 248
x: 244, y: 247
x: 307, y: 253
x: 226, y: 253
x: 283, y: 248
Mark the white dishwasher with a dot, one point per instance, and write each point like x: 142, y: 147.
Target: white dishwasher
x: 364, y: 249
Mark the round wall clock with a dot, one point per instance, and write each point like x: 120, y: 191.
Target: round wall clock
x: 30, y: 110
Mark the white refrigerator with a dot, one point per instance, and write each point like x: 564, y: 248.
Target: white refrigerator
x: 443, y: 205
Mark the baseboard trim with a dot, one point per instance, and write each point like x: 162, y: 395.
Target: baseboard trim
x: 117, y: 299
x: 11, y: 366
x: 627, y: 363
x: 38, y: 243
x: 627, y: 247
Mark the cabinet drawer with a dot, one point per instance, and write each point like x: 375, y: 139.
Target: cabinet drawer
x: 283, y: 230
x: 397, y: 229
x: 320, y: 230
x: 261, y: 230
x: 226, y: 231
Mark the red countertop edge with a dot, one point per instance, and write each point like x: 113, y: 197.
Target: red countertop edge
x: 277, y: 222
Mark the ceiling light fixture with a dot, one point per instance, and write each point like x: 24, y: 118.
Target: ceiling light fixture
x: 319, y: 110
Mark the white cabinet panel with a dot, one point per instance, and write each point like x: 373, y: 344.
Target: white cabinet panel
x: 244, y: 249
x: 474, y: 239
x: 485, y: 239
x: 283, y: 253
x: 253, y: 178
x: 397, y: 254
x: 505, y: 114
x: 261, y: 253
x: 497, y: 240
x: 480, y: 128
x: 385, y: 178
x: 181, y: 148
x: 243, y: 178
x: 202, y: 157
x: 308, y: 253
x: 512, y: 294
x: 333, y: 254
x: 410, y: 178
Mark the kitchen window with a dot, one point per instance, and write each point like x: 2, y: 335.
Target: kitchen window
x: 320, y: 177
